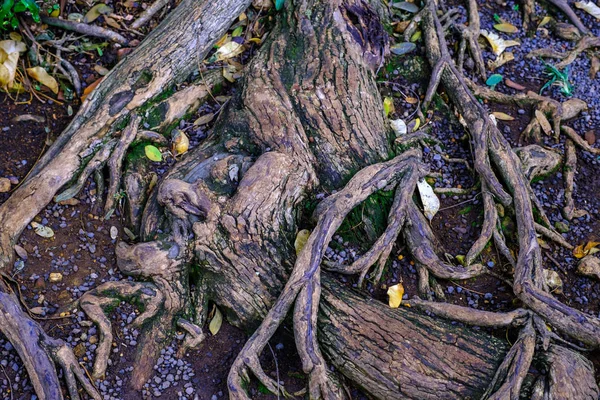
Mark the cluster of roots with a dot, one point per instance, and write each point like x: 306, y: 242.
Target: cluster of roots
x: 226, y: 209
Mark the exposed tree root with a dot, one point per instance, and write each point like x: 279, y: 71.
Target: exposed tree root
x: 585, y: 43
x: 39, y: 352
x: 303, y: 286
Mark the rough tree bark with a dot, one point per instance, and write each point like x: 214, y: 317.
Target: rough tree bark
x: 307, y: 119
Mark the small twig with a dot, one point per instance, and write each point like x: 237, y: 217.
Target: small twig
x: 91, y: 30
x: 276, y: 369
x: 149, y: 13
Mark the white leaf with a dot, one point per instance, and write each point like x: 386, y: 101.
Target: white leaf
x: 498, y: 44
x: 43, y: 231
x: 431, y: 203
x: 114, y: 232
x: 399, y: 127
x: 229, y: 50
x: 589, y: 7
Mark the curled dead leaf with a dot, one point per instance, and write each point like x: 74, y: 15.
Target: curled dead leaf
x: 40, y: 75
x: 395, y: 294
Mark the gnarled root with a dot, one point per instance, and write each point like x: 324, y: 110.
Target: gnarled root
x: 39, y: 352
x: 304, y: 286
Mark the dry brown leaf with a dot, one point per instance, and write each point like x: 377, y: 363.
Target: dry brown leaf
x: 513, y: 84
x: 411, y: 100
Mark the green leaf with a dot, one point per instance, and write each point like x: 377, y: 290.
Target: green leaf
x: 279, y: 4
x: 237, y: 31
x: 493, y: 80
x: 153, y: 153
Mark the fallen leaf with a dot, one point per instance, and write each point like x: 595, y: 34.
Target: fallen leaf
x: 402, y: 48
x: 262, y: 4
x: 229, y: 50
x: 544, y: 123
x: 589, y: 7
x: 114, y: 232
x: 301, y: 239
x: 216, y: 322
x: 129, y: 234
x: 401, y: 26
x: 180, y: 142
x: 29, y: 118
x: 545, y: 21
x: 411, y: 100
x: 493, y: 80
x: 40, y: 75
x: 21, y: 252
x: 388, y: 106
x: 460, y: 258
x: 101, y: 70
x: 553, y: 280
x: 506, y: 28
x: 501, y: 60
x: 153, y: 153
x: 395, y: 294
x: 75, y: 17
x: 581, y: 250
x: 95, y: 12
x: 498, y: 44
x: 237, y: 31
x: 416, y: 125
x: 89, y: 89
x: 407, y: 6
x: 42, y: 230
x: 431, y: 203
x: 416, y: 36
x: 205, y: 119
x: 399, y: 127
x: 513, y: 84
x: 590, y: 137
x: 37, y: 310
x: 502, y: 116
x: 55, y: 277
x: 9, y: 58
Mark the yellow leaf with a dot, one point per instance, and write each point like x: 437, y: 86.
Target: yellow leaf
x: 301, y: 239
x: 95, y: 12
x: 502, y: 116
x: 506, y: 27
x: 395, y: 294
x: 461, y: 259
x: 541, y: 118
x: 40, y: 75
x: 417, y: 124
x: 578, y: 252
x: 388, y: 105
x: 216, y: 322
x: 589, y: 245
x: 223, y: 40
x: 545, y: 21
x: 180, y: 142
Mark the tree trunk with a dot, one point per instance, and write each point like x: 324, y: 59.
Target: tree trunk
x: 308, y: 119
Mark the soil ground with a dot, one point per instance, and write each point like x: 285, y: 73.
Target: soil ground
x: 82, y: 249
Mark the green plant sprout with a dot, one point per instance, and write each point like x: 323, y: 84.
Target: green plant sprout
x: 558, y: 78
